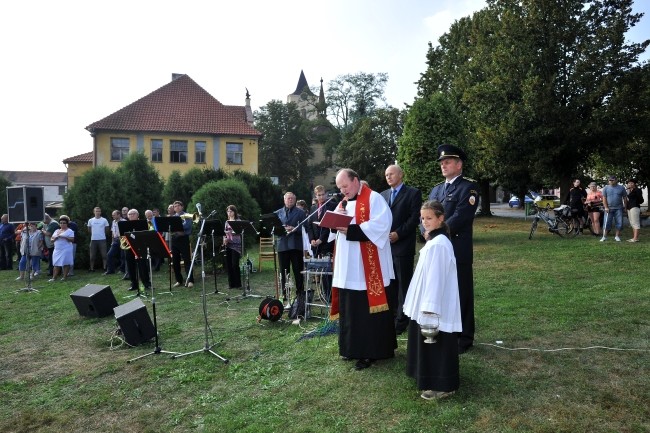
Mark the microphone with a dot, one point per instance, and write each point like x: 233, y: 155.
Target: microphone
x: 198, y: 208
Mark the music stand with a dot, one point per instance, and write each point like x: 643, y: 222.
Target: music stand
x: 214, y: 228
x: 125, y: 228
x: 239, y: 227
x: 168, y: 225
x: 144, y: 243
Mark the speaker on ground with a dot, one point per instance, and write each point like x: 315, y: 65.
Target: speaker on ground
x: 135, y: 323
x: 94, y: 300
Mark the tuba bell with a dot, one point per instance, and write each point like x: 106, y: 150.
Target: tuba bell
x: 124, y: 243
x: 195, y: 217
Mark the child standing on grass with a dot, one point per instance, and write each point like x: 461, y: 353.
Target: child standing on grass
x: 35, y: 239
x: 432, y: 299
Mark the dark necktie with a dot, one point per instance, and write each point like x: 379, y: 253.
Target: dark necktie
x: 320, y: 212
x: 393, y: 194
x: 444, y: 190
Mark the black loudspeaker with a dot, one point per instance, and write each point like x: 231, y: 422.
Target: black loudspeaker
x: 25, y: 203
x: 94, y: 300
x: 135, y: 322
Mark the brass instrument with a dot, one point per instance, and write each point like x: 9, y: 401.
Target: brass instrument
x: 124, y: 243
x: 195, y: 217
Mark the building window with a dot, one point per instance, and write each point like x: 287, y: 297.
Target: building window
x: 178, y: 151
x: 235, y: 153
x: 119, y: 148
x: 61, y: 189
x: 199, y: 152
x: 156, y: 150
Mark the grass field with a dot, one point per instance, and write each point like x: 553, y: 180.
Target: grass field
x: 571, y: 315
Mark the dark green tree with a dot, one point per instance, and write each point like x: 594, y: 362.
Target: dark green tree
x: 370, y: 145
x: 140, y: 183
x: 284, y: 149
x: 267, y: 195
x: 217, y: 195
x: 430, y: 122
x: 534, y: 81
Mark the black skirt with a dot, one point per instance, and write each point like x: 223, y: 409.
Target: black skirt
x: 363, y: 335
x: 434, y: 366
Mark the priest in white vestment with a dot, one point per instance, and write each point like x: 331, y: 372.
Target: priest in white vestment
x: 363, y: 268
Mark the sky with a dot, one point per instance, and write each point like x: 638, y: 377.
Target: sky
x: 70, y: 63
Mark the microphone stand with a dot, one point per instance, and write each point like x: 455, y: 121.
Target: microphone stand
x: 207, y: 347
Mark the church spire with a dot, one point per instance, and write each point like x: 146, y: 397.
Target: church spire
x: 321, y: 100
x: 302, y: 86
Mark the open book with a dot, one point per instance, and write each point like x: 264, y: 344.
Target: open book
x: 332, y: 220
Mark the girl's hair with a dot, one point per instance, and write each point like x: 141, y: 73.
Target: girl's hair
x: 234, y: 209
x: 302, y: 203
x: 436, y: 207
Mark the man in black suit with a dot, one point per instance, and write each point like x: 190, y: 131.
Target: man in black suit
x: 459, y: 197
x: 405, y: 203
x: 290, y: 252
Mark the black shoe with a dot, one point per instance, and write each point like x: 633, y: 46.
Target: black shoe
x: 463, y: 349
x: 91, y: 270
x: 125, y: 277
x: 108, y: 273
x: 363, y: 364
x: 132, y: 289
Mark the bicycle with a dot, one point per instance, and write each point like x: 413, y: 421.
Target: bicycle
x: 562, y: 224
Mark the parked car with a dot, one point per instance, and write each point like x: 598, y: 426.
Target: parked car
x: 547, y: 200
x: 515, y: 202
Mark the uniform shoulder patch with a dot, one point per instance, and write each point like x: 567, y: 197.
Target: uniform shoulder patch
x: 470, y: 179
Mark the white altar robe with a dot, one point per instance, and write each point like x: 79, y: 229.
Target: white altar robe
x: 348, y: 264
x: 434, y: 287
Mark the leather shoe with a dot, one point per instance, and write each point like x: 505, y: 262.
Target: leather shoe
x: 125, y: 277
x: 176, y: 284
x: 107, y: 273
x: 190, y: 285
x: 363, y: 364
x: 132, y: 289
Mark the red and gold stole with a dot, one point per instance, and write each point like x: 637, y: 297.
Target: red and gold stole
x: 371, y: 264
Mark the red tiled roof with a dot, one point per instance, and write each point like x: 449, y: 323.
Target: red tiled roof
x: 84, y: 157
x: 179, y: 106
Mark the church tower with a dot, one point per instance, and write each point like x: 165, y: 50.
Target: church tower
x: 305, y: 99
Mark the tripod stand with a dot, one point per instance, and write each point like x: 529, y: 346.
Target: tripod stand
x: 239, y: 227
x: 207, y: 347
x: 145, y: 243
x: 28, y: 265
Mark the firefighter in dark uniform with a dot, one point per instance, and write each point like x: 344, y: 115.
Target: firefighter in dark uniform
x: 459, y: 197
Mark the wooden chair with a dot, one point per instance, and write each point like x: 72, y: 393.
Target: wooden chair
x: 267, y: 252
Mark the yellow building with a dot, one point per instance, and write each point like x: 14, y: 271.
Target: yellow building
x: 179, y: 127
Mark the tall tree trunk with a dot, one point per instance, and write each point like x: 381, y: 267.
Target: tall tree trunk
x: 484, y: 186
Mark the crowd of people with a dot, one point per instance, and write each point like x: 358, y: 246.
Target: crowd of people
x: 610, y: 204
x: 376, y: 290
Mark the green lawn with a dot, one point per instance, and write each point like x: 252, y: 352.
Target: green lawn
x: 60, y: 372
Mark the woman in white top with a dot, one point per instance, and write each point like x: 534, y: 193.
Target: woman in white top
x: 63, y: 239
x: 432, y: 300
